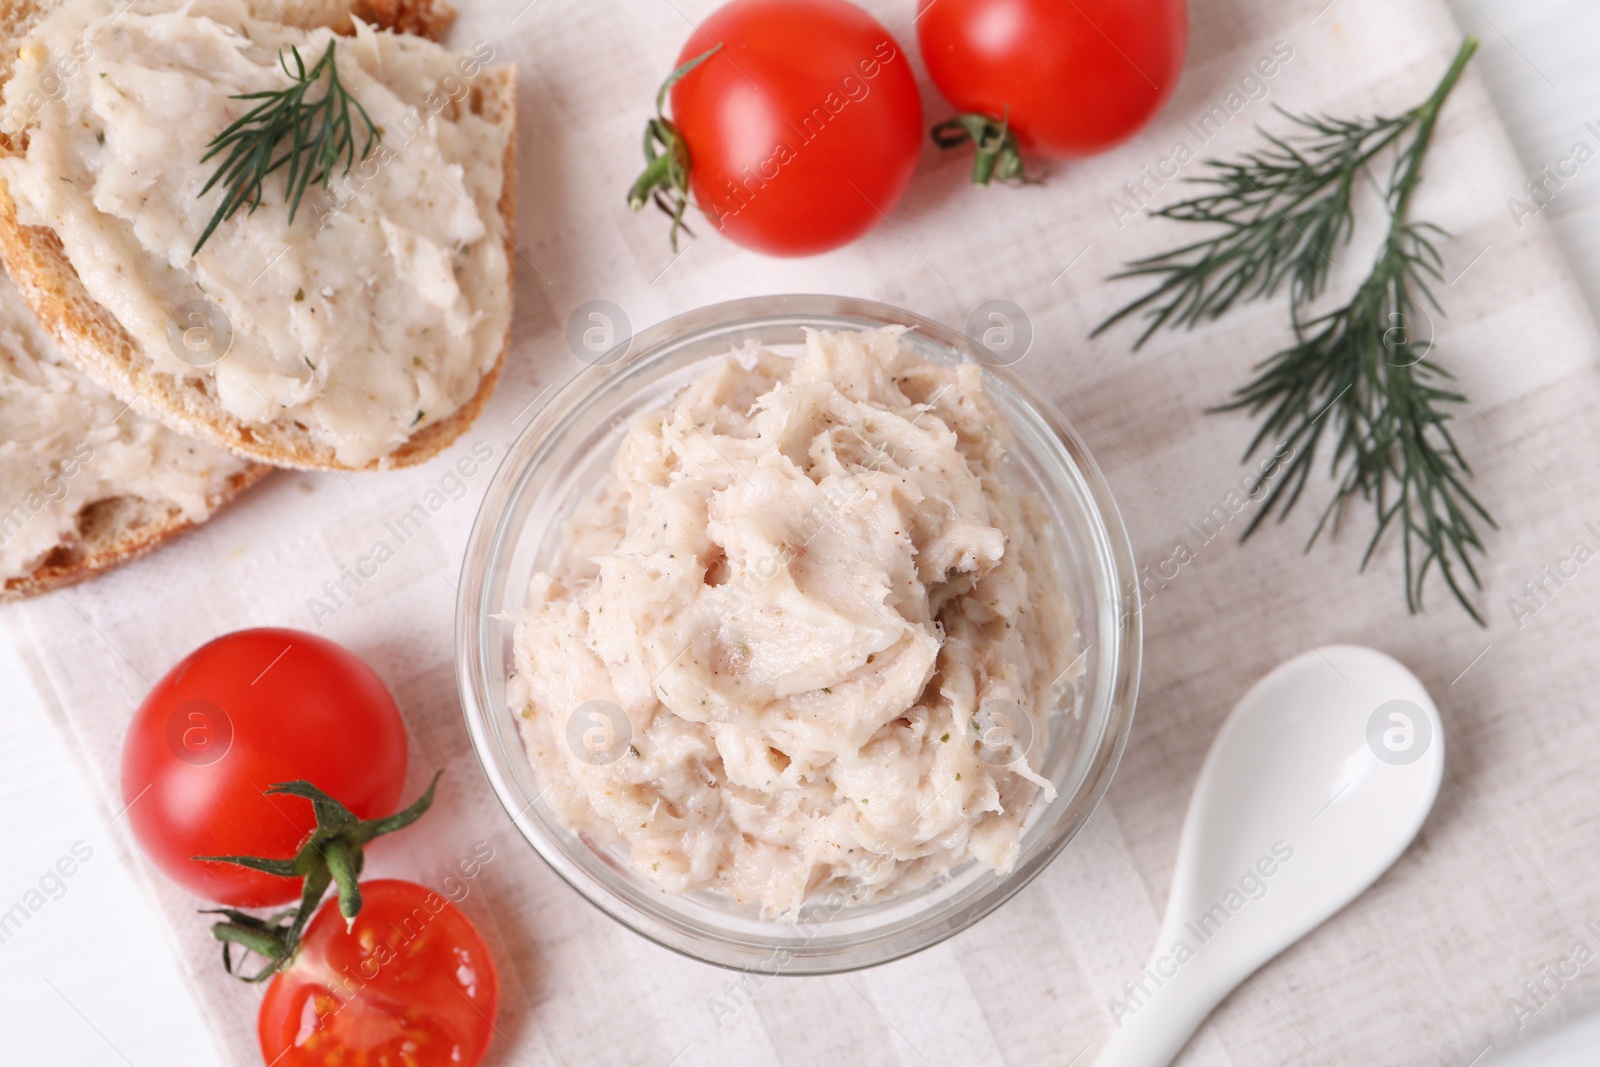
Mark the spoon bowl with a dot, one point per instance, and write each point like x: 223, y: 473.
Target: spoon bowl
x: 1315, y: 785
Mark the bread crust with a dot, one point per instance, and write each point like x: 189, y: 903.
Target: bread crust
x: 93, y: 338
x: 113, y: 531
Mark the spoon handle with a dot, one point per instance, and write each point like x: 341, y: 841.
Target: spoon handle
x: 1160, y: 1025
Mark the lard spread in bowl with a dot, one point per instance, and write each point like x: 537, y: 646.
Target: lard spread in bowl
x: 810, y: 634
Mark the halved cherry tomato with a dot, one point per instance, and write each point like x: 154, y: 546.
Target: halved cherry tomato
x: 410, y: 984
x: 1072, y: 77
x: 236, y: 715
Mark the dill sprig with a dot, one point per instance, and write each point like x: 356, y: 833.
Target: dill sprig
x: 1352, y: 376
x: 319, y: 132
x: 1282, y: 210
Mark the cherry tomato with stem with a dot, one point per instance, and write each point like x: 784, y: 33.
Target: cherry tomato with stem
x: 796, y: 126
x: 237, y: 715
x: 1060, y: 79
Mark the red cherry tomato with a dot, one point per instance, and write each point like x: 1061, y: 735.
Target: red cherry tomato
x: 247, y: 710
x: 411, y: 984
x: 1074, y: 77
x: 804, y: 130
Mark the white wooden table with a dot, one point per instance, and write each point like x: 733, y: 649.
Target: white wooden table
x: 88, y: 979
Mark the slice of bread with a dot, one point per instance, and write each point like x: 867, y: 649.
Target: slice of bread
x: 112, y: 531
x: 72, y: 506
x: 95, y: 339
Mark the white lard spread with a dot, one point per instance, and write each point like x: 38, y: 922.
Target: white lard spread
x: 377, y: 312
x: 65, y: 443
x: 800, y: 639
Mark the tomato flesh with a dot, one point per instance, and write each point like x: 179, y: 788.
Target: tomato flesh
x: 238, y: 714
x: 1075, y: 78
x: 411, y: 984
x: 804, y: 130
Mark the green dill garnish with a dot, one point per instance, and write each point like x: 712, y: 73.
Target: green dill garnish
x: 1351, y: 374
x: 319, y: 133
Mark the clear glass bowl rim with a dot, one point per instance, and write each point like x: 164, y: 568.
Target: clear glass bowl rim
x: 480, y: 708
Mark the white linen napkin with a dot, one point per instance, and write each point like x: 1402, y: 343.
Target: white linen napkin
x: 1423, y: 969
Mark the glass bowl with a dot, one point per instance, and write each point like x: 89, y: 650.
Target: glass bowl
x: 564, y: 454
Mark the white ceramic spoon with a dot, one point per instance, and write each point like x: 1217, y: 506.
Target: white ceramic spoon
x: 1314, y: 786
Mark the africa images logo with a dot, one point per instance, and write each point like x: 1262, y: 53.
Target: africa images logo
x: 1199, y: 931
